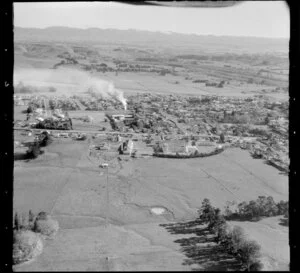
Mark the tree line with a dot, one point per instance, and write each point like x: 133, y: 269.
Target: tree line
x: 263, y: 206
x: 233, y: 240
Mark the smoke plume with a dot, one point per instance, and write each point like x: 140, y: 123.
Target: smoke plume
x: 61, y: 78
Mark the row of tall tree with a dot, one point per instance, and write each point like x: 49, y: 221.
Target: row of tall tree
x: 233, y: 239
x: 263, y: 206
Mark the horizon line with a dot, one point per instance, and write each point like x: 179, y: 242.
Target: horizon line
x: 153, y: 31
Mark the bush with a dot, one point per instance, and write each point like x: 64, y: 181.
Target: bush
x: 237, y: 237
x: 30, y: 109
x: 45, y: 225
x: 26, y: 245
x: 249, y: 253
x: 222, y: 233
x: 42, y: 216
x: 33, y: 151
x: 256, y: 266
x: 46, y: 139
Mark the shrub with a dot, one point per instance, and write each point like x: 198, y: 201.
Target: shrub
x: 237, y: 237
x: 46, y: 139
x: 30, y: 109
x: 222, y: 233
x: 26, y: 245
x: 33, y: 151
x: 42, y: 216
x: 256, y: 266
x: 45, y: 225
x: 249, y: 253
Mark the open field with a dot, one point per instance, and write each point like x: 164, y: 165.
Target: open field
x: 67, y: 183
x: 275, y: 252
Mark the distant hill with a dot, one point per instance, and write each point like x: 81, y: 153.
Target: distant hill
x: 138, y: 37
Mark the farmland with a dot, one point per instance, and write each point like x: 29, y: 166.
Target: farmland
x: 173, y: 96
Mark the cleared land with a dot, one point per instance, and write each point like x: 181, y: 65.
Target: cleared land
x: 65, y: 182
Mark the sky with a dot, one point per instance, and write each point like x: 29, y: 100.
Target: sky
x: 250, y: 18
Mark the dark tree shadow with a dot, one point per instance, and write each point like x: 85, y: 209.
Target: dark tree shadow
x: 209, y: 256
x: 25, y: 156
x: 20, y: 156
x: 282, y: 170
x: 240, y: 218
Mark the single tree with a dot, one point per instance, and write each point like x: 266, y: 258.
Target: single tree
x: 24, y: 224
x: 222, y: 138
x: 17, y: 222
x: 206, y: 212
x: 30, y: 216
x: 249, y: 253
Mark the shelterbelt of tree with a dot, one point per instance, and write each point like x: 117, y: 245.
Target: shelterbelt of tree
x: 194, y: 155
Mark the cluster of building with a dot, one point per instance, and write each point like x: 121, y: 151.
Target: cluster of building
x: 98, y: 103
x: 255, y: 123
x: 53, y: 102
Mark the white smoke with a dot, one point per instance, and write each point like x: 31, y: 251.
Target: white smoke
x: 60, y: 78
x: 105, y: 89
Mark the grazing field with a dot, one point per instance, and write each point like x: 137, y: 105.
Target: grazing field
x: 65, y: 182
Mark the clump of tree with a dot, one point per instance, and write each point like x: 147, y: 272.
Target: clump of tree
x: 194, y: 100
x: 45, y: 139
x: 23, y: 221
x: 27, y: 228
x: 45, y: 225
x: 232, y: 239
x: 259, y: 132
x: 255, y: 209
x: 40, y: 223
x: 200, y: 81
